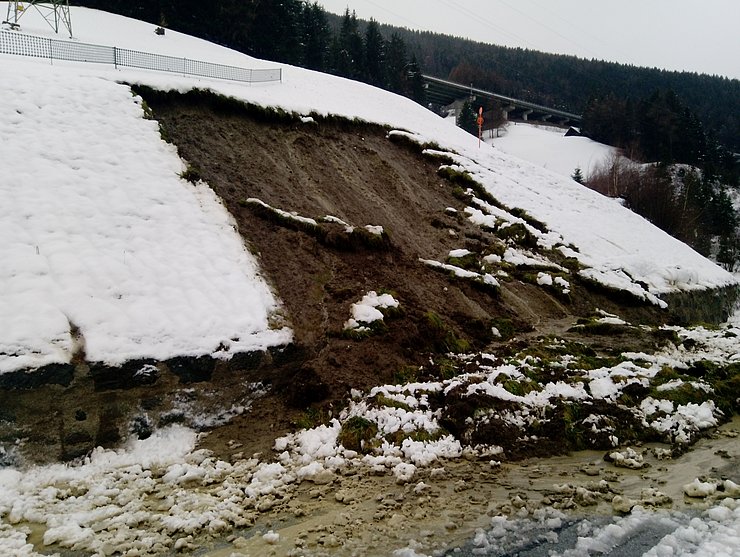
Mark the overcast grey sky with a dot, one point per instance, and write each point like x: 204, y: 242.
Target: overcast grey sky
x: 692, y: 35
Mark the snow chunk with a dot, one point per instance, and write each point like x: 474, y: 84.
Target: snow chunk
x: 366, y: 310
x: 457, y: 253
x: 700, y: 489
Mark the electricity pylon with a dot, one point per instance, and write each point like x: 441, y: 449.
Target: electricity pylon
x: 54, y: 12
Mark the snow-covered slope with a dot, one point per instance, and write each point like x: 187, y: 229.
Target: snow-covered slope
x: 548, y: 147
x: 100, y: 234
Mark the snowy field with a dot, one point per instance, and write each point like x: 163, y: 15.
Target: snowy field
x: 104, y: 244
x: 547, y: 146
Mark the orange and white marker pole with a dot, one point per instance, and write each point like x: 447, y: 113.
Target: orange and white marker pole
x: 480, y: 124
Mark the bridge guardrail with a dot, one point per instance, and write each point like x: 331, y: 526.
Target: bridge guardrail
x: 15, y: 43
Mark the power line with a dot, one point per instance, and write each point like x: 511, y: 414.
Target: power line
x: 555, y: 31
x: 484, y: 21
x: 399, y: 16
x: 580, y: 29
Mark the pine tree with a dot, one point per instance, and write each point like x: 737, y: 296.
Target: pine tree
x: 396, y: 65
x: 578, y: 175
x: 467, y: 119
x: 275, y: 31
x: 374, y: 55
x: 315, y: 37
x: 348, y: 52
x: 417, y: 90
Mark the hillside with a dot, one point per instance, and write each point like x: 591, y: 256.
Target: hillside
x: 244, y: 300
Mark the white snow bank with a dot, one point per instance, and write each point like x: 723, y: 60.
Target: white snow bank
x: 101, y: 235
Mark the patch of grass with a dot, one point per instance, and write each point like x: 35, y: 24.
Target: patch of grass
x: 418, y: 435
x: 593, y: 327
x: 666, y: 374
x: 724, y: 379
x: 573, y: 415
x: 381, y: 400
x: 663, y: 337
x: 357, y: 434
x: 438, y: 157
x: 312, y: 417
x: 517, y: 234
x: 520, y: 387
x: 702, y: 369
x: 550, y: 351
x: 164, y: 133
x: 443, y: 337
x: 496, y: 248
x: 461, y: 194
x: 504, y: 326
x: 571, y: 263
x: 361, y: 237
x: 466, y: 182
x: 406, y: 374
x: 727, y: 394
x: 681, y: 395
x: 444, y: 368
x: 191, y: 174
x: 469, y: 262
x: 148, y: 112
x: 364, y: 331
x: 529, y: 219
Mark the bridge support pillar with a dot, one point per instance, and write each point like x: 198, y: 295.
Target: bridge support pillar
x: 506, y: 109
x: 526, y: 114
x: 546, y: 117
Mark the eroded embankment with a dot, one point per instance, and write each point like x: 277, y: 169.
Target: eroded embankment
x: 296, y: 188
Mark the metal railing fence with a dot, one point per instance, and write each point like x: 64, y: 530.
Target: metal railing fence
x: 12, y: 42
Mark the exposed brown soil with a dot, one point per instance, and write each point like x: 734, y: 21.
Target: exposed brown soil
x: 356, y: 173
x: 348, y: 170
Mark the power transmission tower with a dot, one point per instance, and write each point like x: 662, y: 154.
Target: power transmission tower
x: 55, y: 13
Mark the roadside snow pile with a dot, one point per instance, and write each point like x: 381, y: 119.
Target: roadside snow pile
x: 716, y: 533
x: 106, y: 250
x: 147, y: 499
x: 392, y: 430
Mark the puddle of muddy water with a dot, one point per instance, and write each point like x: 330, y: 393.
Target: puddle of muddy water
x: 441, y: 510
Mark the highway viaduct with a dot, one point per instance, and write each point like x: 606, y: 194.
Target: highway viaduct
x: 444, y: 93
